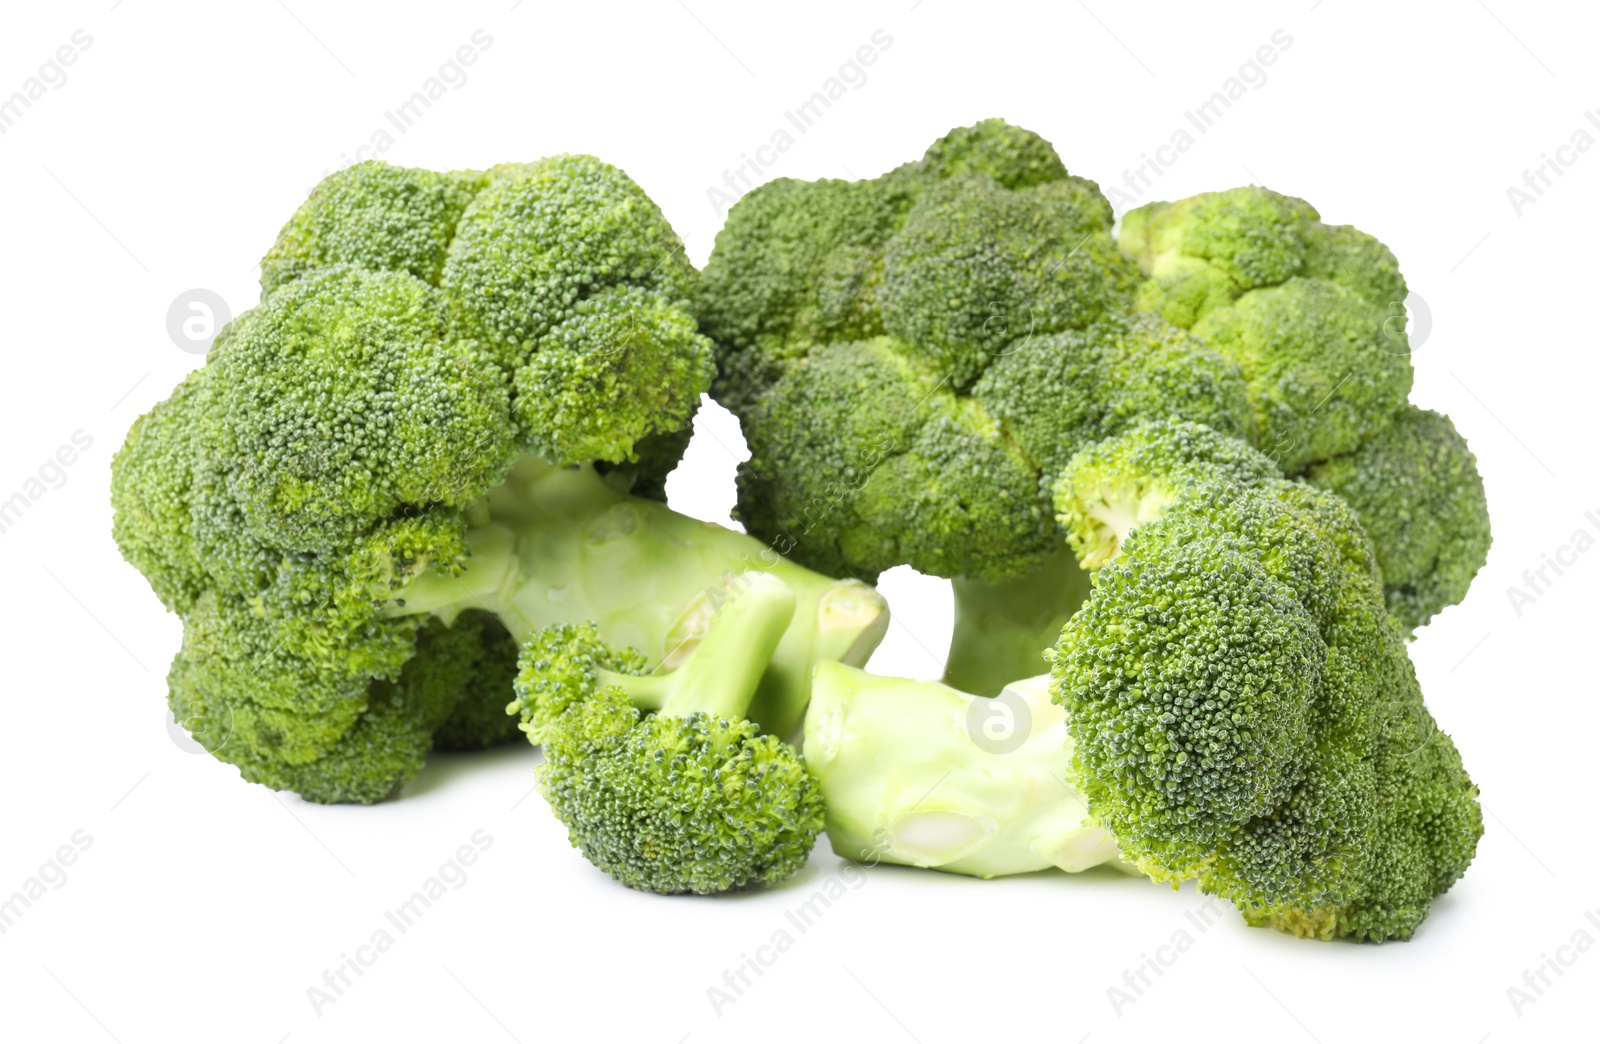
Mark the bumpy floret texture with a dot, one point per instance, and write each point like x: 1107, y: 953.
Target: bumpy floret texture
x: 1307, y: 310
x: 1417, y: 491
x: 1244, y: 711
x: 912, y: 355
x: 559, y: 667
x: 417, y: 331
x: 695, y: 804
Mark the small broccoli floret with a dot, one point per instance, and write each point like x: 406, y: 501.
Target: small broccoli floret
x: 860, y: 460
x: 479, y: 718
x: 1058, y: 393
x: 345, y: 400
x: 921, y: 774
x: 1110, y: 487
x: 1416, y: 488
x: 693, y: 798
x: 372, y: 216
x: 1322, y: 370
x: 1243, y: 708
x: 977, y: 266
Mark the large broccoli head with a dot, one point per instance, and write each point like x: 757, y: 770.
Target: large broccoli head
x: 912, y: 355
x: 1243, y: 708
x: 416, y: 332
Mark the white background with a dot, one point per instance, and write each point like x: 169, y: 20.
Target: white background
x: 204, y: 908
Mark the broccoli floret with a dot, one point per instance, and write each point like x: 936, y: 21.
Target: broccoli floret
x: 921, y: 774
x: 1416, y: 488
x: 912, y: 357
x: 1243, y: 708
x: 1301, y: 306
x: 695, y: 797
x: 479, y: 718
x: 1322, y: 371
x: 330, y: 489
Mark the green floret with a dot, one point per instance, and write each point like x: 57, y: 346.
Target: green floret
x: 1244, y: 711
x: 374, y: 216
x: 1108, y: 488
x: 978, y: 266
x: 540, y: 237
x: 345, y: 399
x: 1304, y: 308
x: 693, y: 798
x: 625, y: 366
x: 479, y: 718
x: 326, y: 502
x: 1058, y: 393
x: 860, y: 460
x: 1417, y: 491
x: 1322, y: 371
x: 1015, y: 157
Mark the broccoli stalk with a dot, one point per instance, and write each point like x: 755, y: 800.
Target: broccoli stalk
x: 552, y: 544
x: 693, y: 798
x: 921, y: 774
x: 1003, y: 628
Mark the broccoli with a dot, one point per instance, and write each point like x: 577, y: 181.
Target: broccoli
x: 694, y: 797
x: 912, y: 357
x: 922, y: 774
x: 1307, y: 310
x: 362, y: 500
x: 1232, y: 703
x: 1416, y: 489
x: 1242, y: 706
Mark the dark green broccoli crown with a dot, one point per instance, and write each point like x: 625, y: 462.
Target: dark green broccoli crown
x: 416, y: 330
x: 1243, y: 707
x: 479, y: 718
x: 912, y: 356
x: 559, y: 667
x: 1057, y: 393
x: 861, y: 459
x: 1417, y: 491
x: 695, y: 804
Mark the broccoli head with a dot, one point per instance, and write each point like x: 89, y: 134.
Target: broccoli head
x: 693, y: 797
x: 913, y: 356
x: 1304, y: 308
x: 1242, y: 706
x: 353, y: 503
